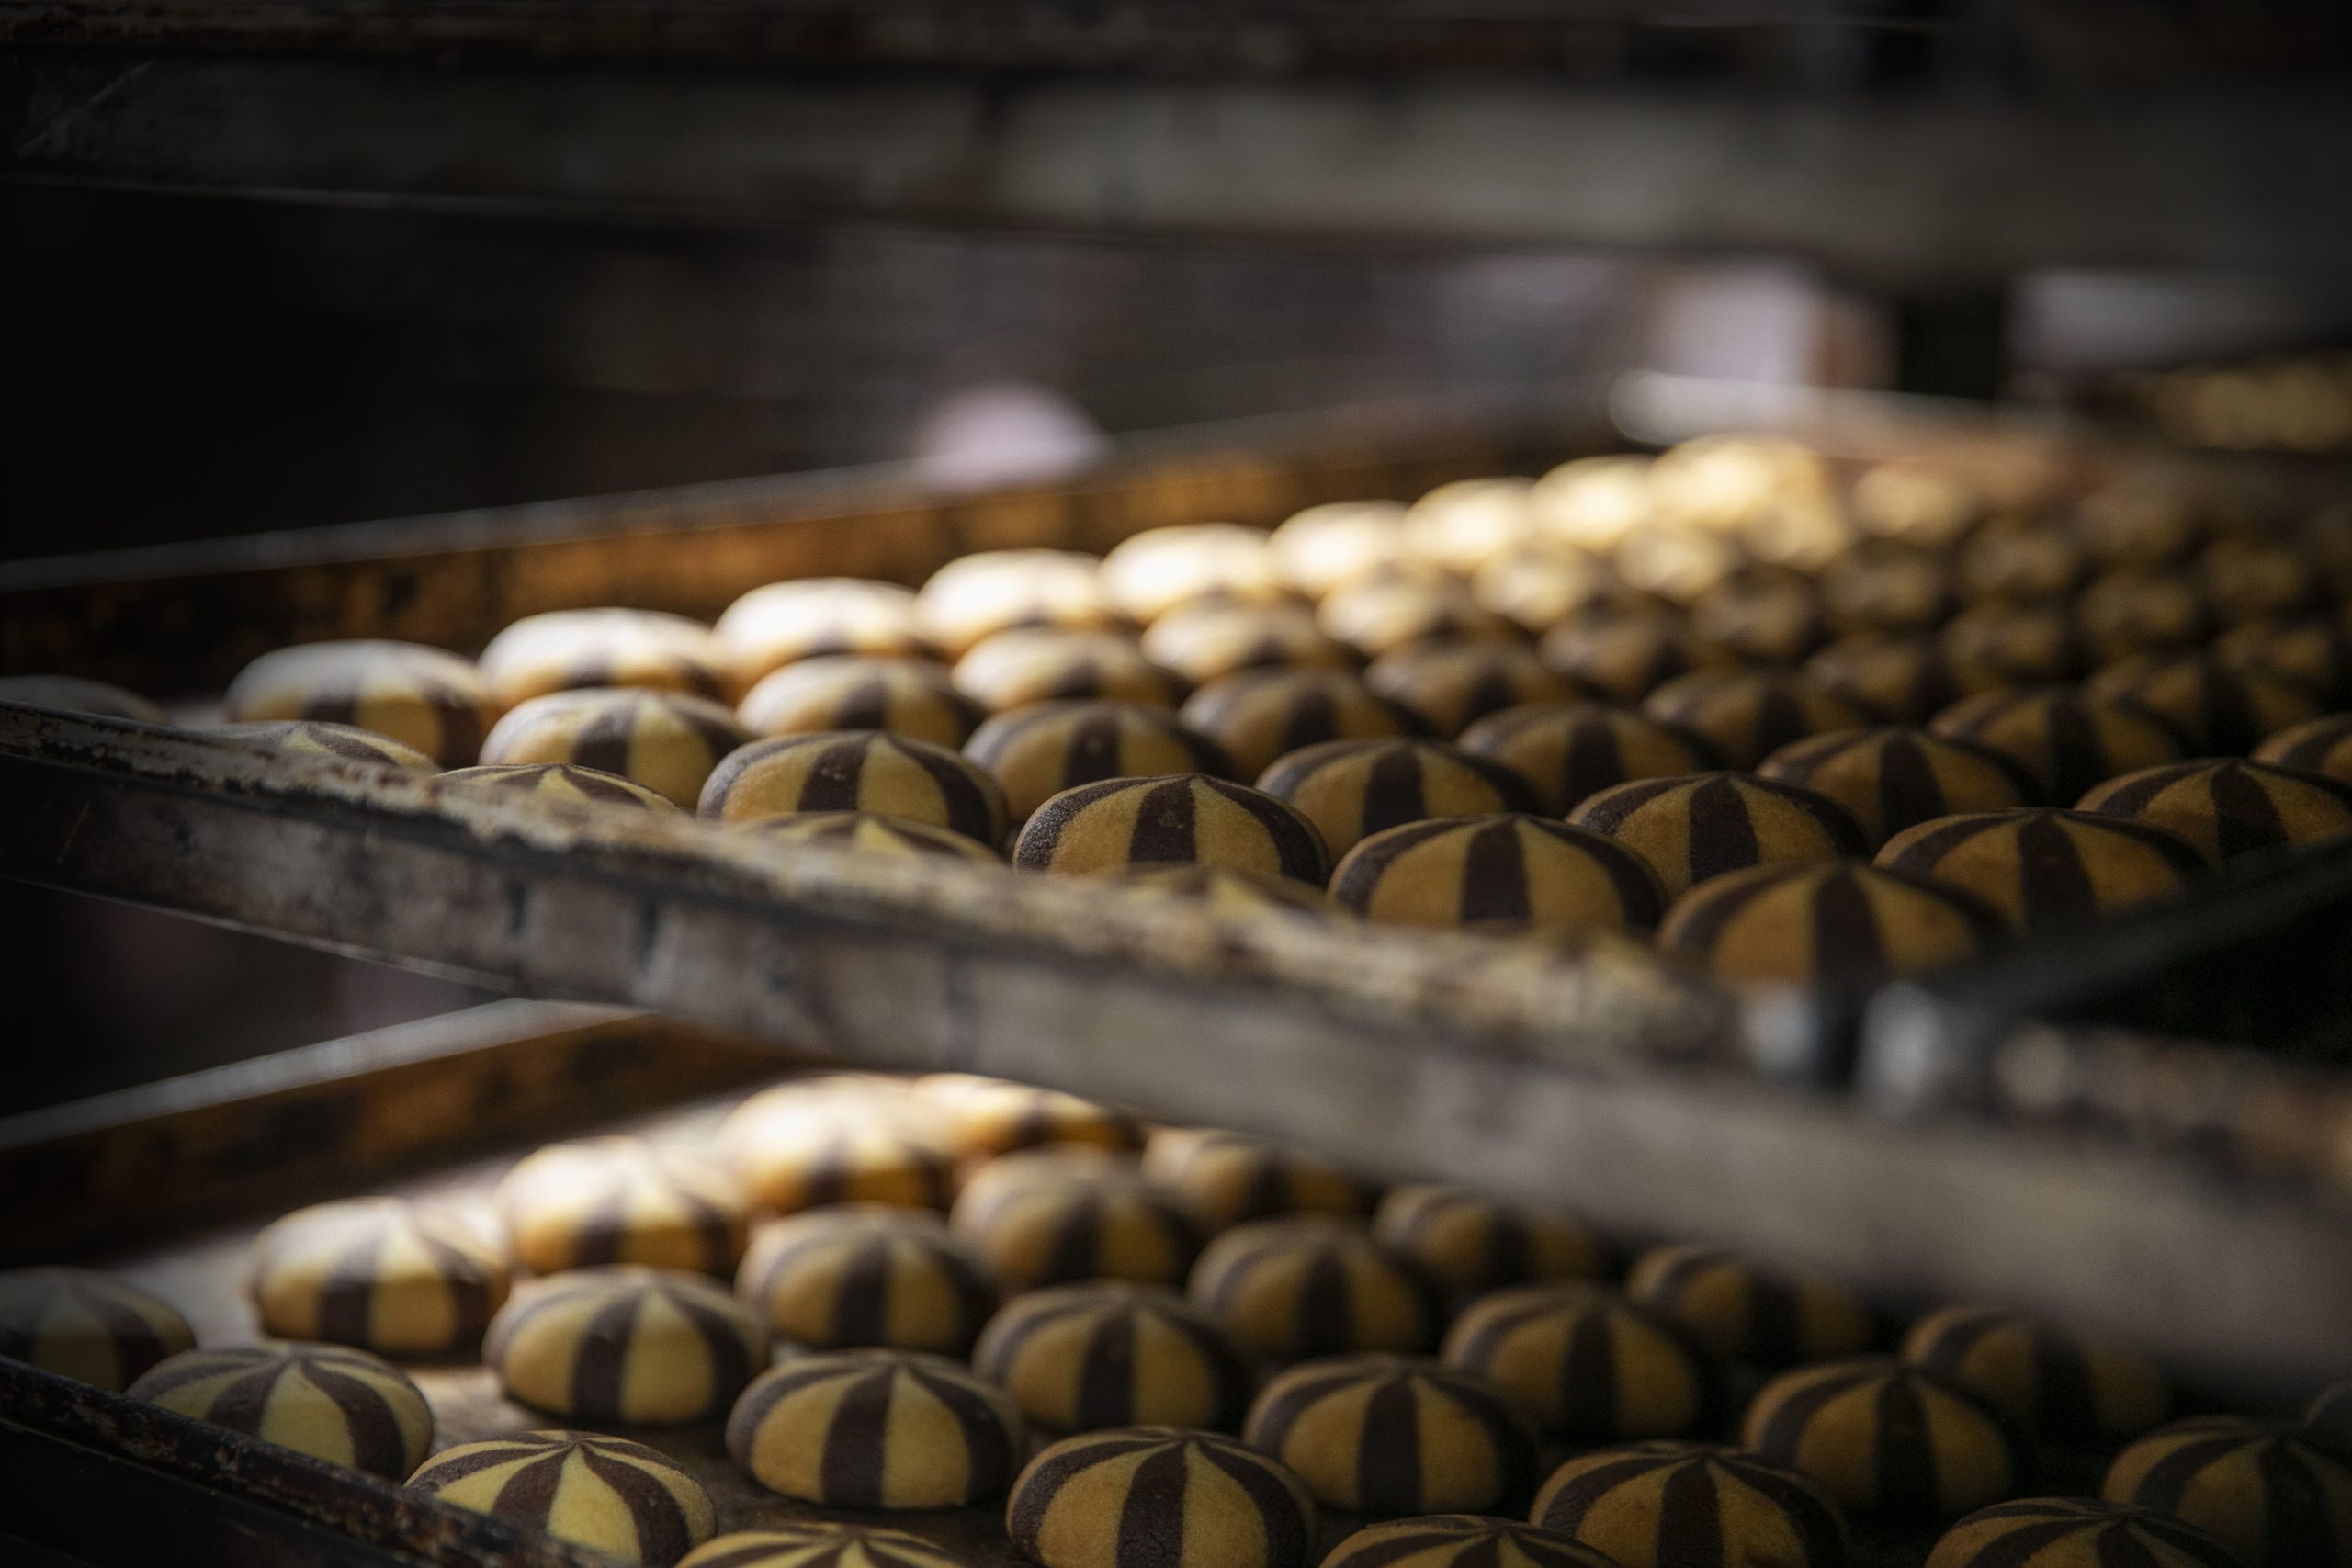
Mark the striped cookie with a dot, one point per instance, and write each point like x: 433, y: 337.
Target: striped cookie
x: 1594, y: 503
x: 1228, y: 1178
x: 2321, y: 745
x: 1465, y: 523
x: 851, y: 1275
x: 1220, y: 890
x: 2228, y: 807
x: 2218, y: 711
x: 871, y: 833
x: 2044, y: 868
x: 2314, y: 652
x: 1038, y: 752
x: 1693, y: 1505
x: 341, y: 1406
x: 1591, y: 1366
x: 1567, y: 752
x: 1450, y: 685
x: 555, y: 781
x: 1259, y: 715
x: 70, y: 694
x: 1676, y: 561
x: 1763, y: 615
x: 1323, y: 546
x: 650, y: 1346
x: 2012, y: 645
x: 1475, y: 1243
x: 817, y: 617
x: 622, y: 1199
x: 796, y: 1146
x: 84, y: 1325
x: 1035, y: 664
x: 1879, y: 1436
x: 606, y: 1493
x: 2057, y: 1382
x: 2020, y: 561
x: 314, y: 739
x: 1462, y: 1540
x: 1378, y: 615
x: 1103, y: 830
x: 1901, y: 677
x: 561, y: 650
x: 2065, y: 738
x: 876, y: 1430
x: 2123, y: 614
x: 1837, y: 922
x: 1209, y: 641
x: 1352, y: 789
x: 821, y: 1543
x: 1158, y: 1497
x: 1390, y: 1434
x: 1539, y: 583
x: 1515, y: 869
x: 1890, y: 779
x: 1625, y: 655
x: 1147, y: 575
x: 1314, y: 1285
x: 419, y: 697
x: 664, y: 741
x: 2274, y: 1495
x: 989, y: 1116
x: 913, y: 698
x: 381, y: 1273
x: 2247, y: 578
x: 1747, y: 715
x: 2075, y: 1532
x: 1044, y: 1216
x: 970, y: 600
x: 856, y: 770
x: 1886, y: 585
x: 1699, y: 826
x: 1745, y: 1313
x: 1078, y: 1358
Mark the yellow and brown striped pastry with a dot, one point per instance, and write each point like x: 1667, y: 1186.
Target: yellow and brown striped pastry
x: 1448, y: 686
x: 1377, y: 614
x: 857, y: 769
x: 1259, y: 715
x: 1035, y: 664
x: 316, y: 739
x: 1834, y: 922
x: 799, y: 1145
x: 2251, y: 579
x: 1044, y: 1216
x: 84, y: 1325
x: 2321, y: 745
x: 2020, y: 561
x: 1222, y: 891
x: 2227, y: 807
x: 1627, y: 655
x: 1901, y: 677
x: 1889, y: 779
x: 609, y: 1494
x: 1391, y: 1435
x: 330, y: 1402
x: 821, y: 1543
x: 622, y: 1199
x: 1565, y: 752
x: 562, y: 649
x: 1701, y: 826
x: 2314, y: 652
x: 1105, y: 1353
x: 1517, y: 869
x: 913, y: 698
x: 2075, y: 1532
x: 2332, y: 1409
x: 1591, y: 1366
x: 1038, y: 752
x: 666, y: 741
x: 1879, y: 1437
x: 2129, y: 613
x: 2219, y: 712
x: 2043, y: 867
x: 556, y: 781
x: 1747, y: 715
x: 1162, y: 1496
x: 1538, y: 585
x: 1463, y: 1540
x: 1693, y: 1505
x: 857, y: 1274
x: 1316, y: 550
x: 1886, y: 585
x: 1352, y: 789
x: 872, y: 833
x: 973, y: 598
x: 1465, y: 523
x: 421, y: 696
x: 990, y: 1116
x: 1209, y: 641
x: 1762, y: 615
x: 1314, y: 1285
x: 2274, y: 1495
x: 1991, y: 646
x: 817, y: 617
x: 1228, y: 1178
x: 381, y: 1273
x: 1120, y: 825
x: 1473, y: 1243
x: 1745, y: 1313
x: 2057, y: 1382
x: 72, y: 693
x: 1150, y: 574
x: 876, y: 1430
x: 2064, y: 738
x: 649, y: 1347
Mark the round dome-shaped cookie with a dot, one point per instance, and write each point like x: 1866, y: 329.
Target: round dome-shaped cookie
x: 2314, y: 652
x: 2043, y: 867
x: 1663, y: 1504
x: 1518, y: 869
x: 2139, y: 524
x: 2055, y: 1381
x: 1318, y: 549
x: 1314, y: 1285
x: 419, y: 697
x: 2123, y: 614
x: 1231, y: 1176
x: 2322, y: 745
x: 913, y: 697
x: 1035, y: 664
x: 609, y: 1494
x: 1222, y: 891
x: 2218, y: 711
x: 1765, y: 616
x: 1209, y: 641
x: 872, y: 833
x: 1119, y: 825
x: 1890, y: 779
x: 2065, y: 738
x: 990, y: 1116
x: 2075, y: 1532
x: 381, y: 1273
x: 876, y: 1430
x: 1904, y: 677
x: 1147, y: 575
x: 561, y: 650
x: 1464, y: 524
x: 1594, y: 502
x: 1161, y: 1497
x: 799, y: 1145
x: 1676, y: 560
x: 1044, y: 1216
x: 1038, y: 752
x: 650, y: 1346
x: 1449, y: 685
x: 1539, y: 583
x: 84, y: 1325
x: 315, y: 739
x: 1593, y: 1367
x: 1473, y: 1243
x: 1259, y: 715
x: 332, y: 1403
x: 1352, y: 789
x: 821, y: 1543
x: 1391, y: 1435
x: 2012, y: 645
x: 857, y: 1274
x: 2021, y: 560
x: 1837, y: 922
x: 555, y: 781
x: 622, y: 1199
x: 2252, y: 579
x: 2276, y: 1495
x: 856, y: 770
x: 1701, y: 826
x: 1747, y: 715
x: 1568, y: 752
x: 817, y: 617
x: 665, y: 740
x: 1886, y: 585
x: 70, y: 694
x: 2332, y: 1409
x: 1926, y: 501
x: 2227, y: 807
x: 971, y: 599
x: 1627, y: 655
x: 1377, y: 614
x: 1883, y: 1437
x: 1463, y: 1540
x: 1745, y: 1313
x: 1105, y: 1353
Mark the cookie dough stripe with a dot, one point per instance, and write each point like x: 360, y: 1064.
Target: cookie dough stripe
x: 2246, y: 814
x: 663, y: 1533
x: 1285, y: 1512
